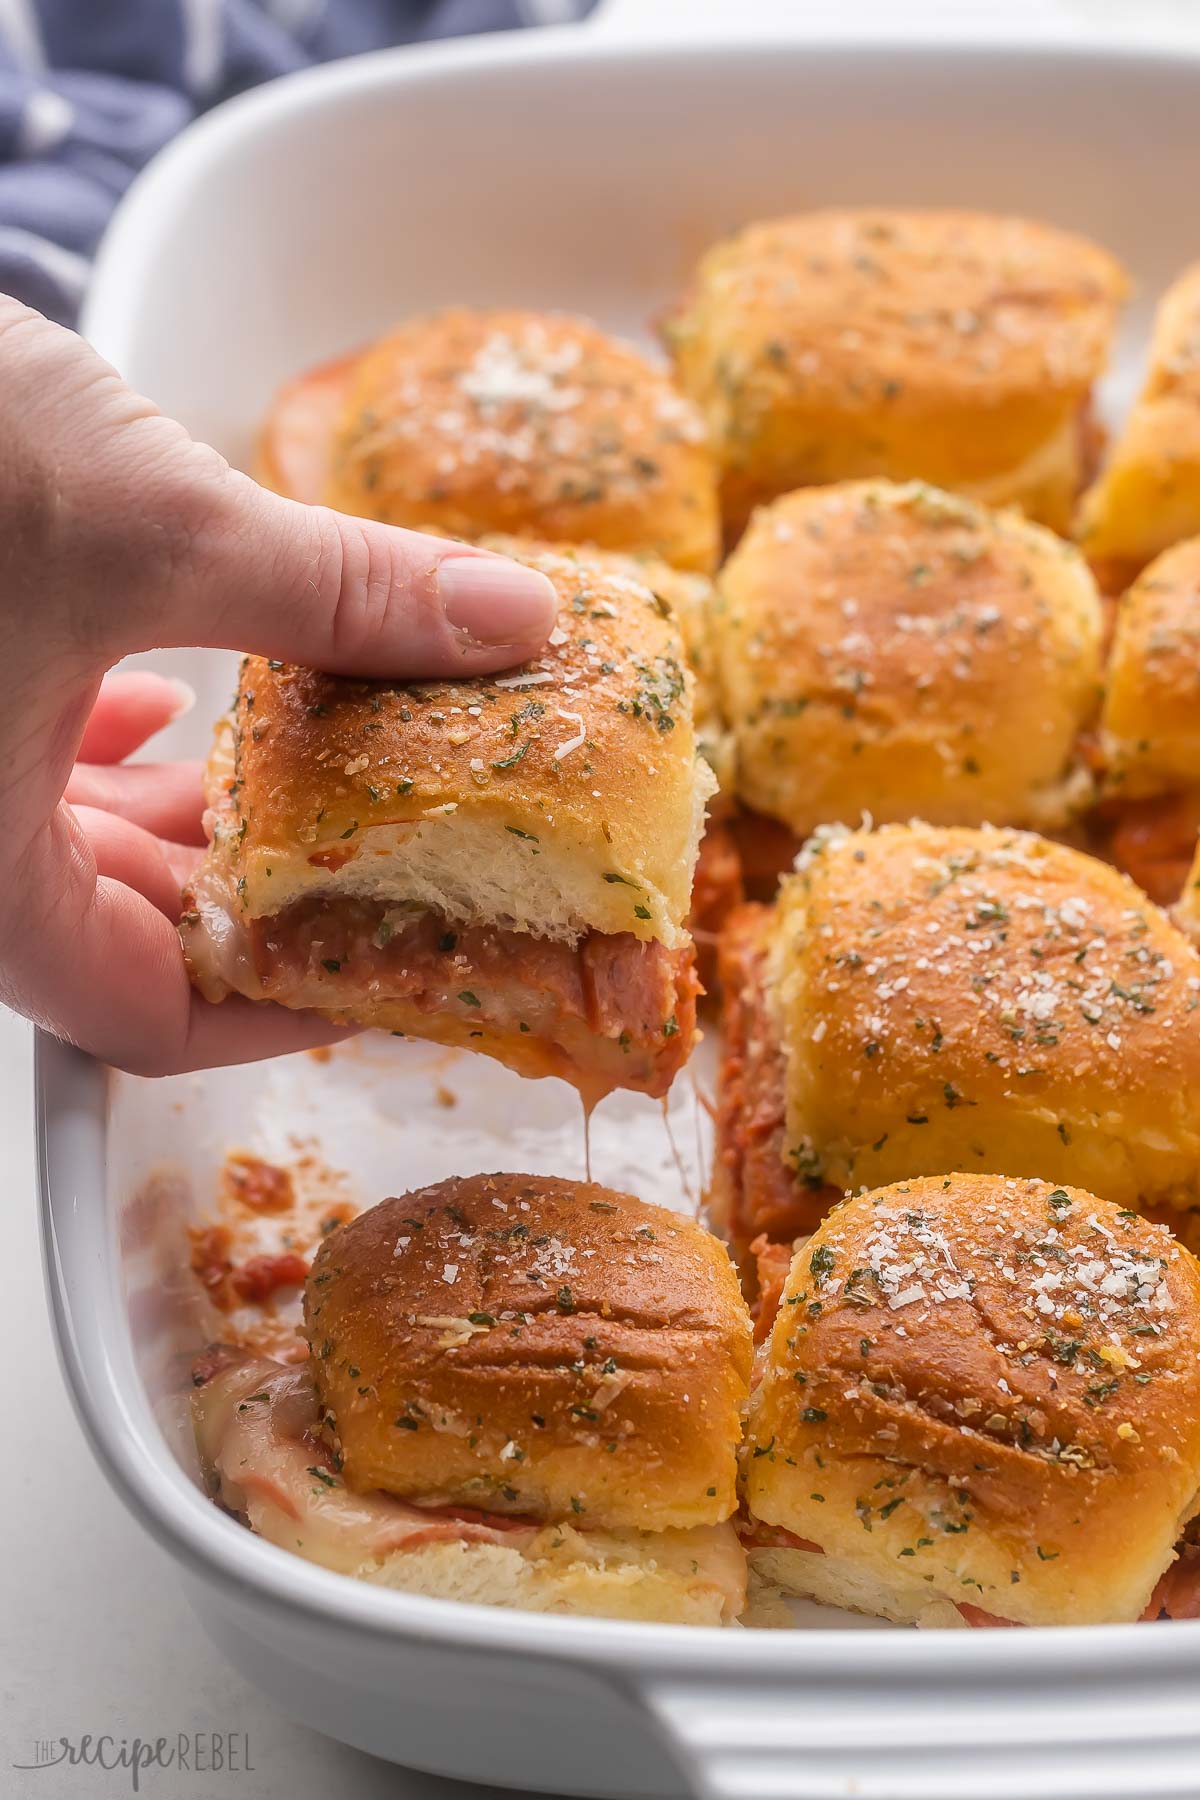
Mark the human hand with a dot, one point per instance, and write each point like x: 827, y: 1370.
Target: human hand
x: 119, y: 533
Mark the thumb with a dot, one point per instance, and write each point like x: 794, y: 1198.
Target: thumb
x: 347, y: 595
x: 150, y: 539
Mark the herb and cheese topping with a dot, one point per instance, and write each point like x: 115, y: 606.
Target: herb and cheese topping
x: 984, y: 999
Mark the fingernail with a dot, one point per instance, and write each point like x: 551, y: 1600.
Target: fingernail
x: 492, y: 601
x: 185, y: 698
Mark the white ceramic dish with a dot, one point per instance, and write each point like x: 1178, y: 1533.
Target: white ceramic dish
x: 556, y: 171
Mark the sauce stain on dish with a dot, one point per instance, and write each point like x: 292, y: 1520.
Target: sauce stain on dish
x: 252, y: 1255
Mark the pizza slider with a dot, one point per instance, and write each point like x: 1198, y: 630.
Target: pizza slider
x: 980, y: 1404
x: 502, y: 863
x: 924, y: 1000
x: 471, y: 421
x: 894, y: 649
x: 521, y: 1392
x: 956, y: 347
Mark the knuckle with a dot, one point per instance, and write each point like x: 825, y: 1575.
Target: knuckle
x: 360, y: 596
x: 387, y: 602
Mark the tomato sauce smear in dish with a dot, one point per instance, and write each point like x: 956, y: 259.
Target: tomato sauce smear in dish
x: 251, y: 1255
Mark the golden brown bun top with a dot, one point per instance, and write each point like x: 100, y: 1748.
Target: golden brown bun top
x: 585, y: 754
x: 1174, y: 371
x: 986, y: 999
x: 1027, y: 305
x: 908, y: 312
x: 1151, y: 716
x: 1175, y: 351
x: 540, y: 1347
x: 689, y: 595
x: 1003, y: 1380
x: 534, y: 423
x: 898, y: 650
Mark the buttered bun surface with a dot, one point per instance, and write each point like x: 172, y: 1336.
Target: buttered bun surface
x: 549, y: 1349
x: 471, y: 421
x: 1147, y: 496
x: 1151, y: 717
x: 687, y: 594
x: 986, y: 1000
x: 903, y: 652
x: 980, y: 1401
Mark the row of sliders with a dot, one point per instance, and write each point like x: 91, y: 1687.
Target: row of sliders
x: 920, y: 1000
x: 953, y: 347
x: 957, y: 348
x: 825, y: 347
x: 979, y: 1405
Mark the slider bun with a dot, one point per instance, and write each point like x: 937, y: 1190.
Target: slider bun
x: 534, y: 423
x: 556, y: 798
x: 951, y: 346
x: 986, y: 1391
x: 986, y: 999
x: 1148, y: 494
x: 550, y: 1348
x: 257, y: 1427
x: 1151, y: 718
x: 900, y: 651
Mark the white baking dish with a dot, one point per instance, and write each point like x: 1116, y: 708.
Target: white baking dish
x: 556, y: 171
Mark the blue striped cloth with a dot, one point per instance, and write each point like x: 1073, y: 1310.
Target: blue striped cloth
x: 90, y: 89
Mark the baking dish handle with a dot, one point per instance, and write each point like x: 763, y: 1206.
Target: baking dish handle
x: 811, y: 1736
x: 734, y: 1742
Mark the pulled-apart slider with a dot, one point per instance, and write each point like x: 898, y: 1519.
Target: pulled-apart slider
x: 900, y: 651
x: 502, y: 863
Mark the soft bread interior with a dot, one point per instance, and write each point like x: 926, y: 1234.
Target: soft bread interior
x: 478, y: 869
x: 469, y: 868
x: 695, y: 1577
x: 837, y: 1581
